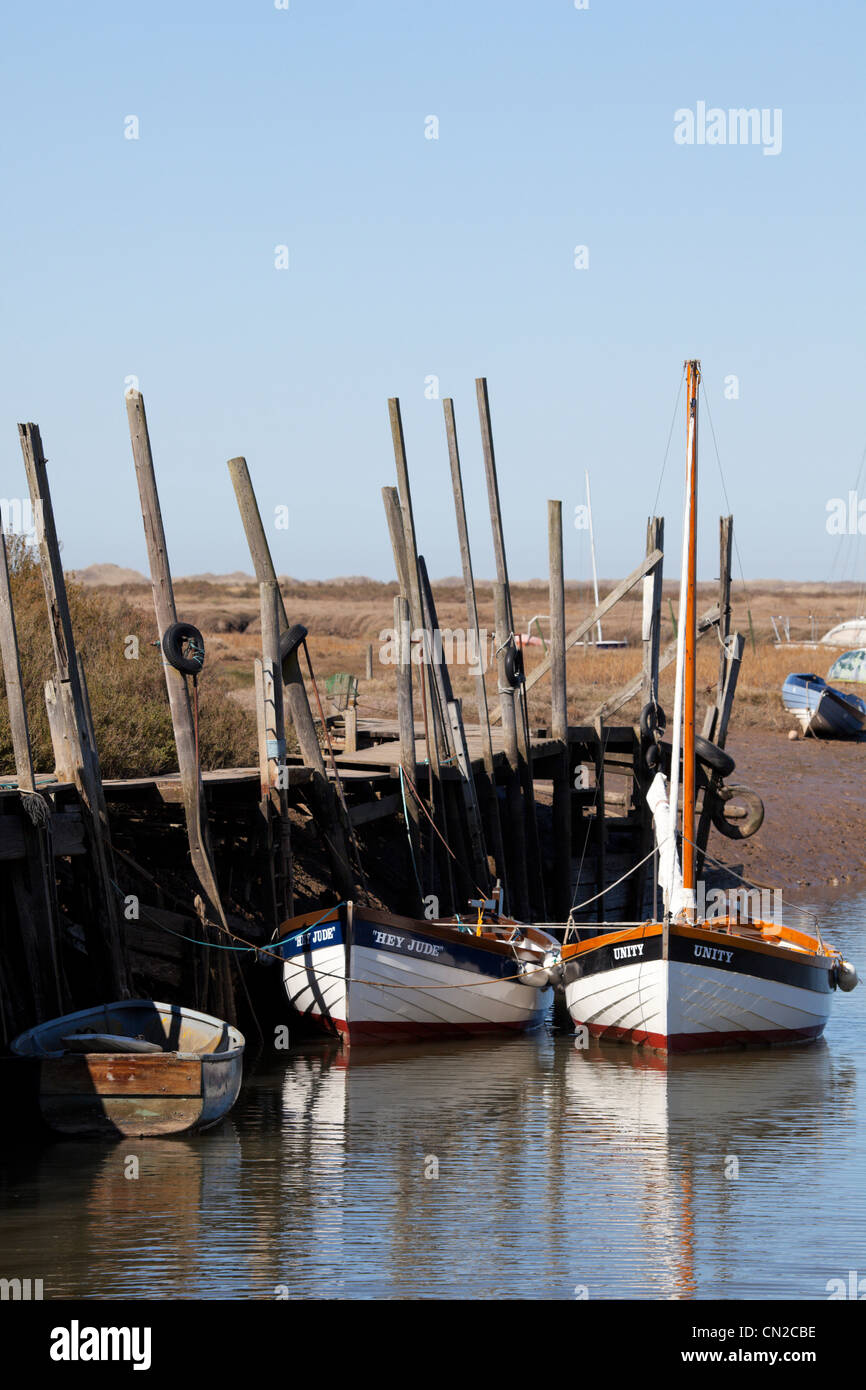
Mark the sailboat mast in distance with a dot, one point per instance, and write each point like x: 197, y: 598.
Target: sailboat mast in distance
x: 592, y: 550
x: 693, y: 371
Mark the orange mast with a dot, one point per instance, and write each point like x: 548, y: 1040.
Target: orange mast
x: 693, y: 369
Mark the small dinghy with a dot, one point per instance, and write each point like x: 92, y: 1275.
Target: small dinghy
x: 822, y: 710
x: 131, y: 1068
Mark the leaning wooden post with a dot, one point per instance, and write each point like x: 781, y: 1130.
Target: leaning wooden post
x: 726, y: 540
x: 438, y: 748
x: 721, y: 712
x: 83, y: 756
x: 488, y: 782
x: 322, y: 793
x: 176, y: 683
x: 651, y: 639
x: 516, y: 822
x: 12, y: 676
x: 275, y: 802
x: 652, y: 612
x: 478, y: 857
x: 562, y: 895
x: 33, y: 890
x: 520, y: 702
x: 406, y: 723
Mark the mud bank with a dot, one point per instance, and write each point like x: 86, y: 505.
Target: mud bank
x: 814, y: 793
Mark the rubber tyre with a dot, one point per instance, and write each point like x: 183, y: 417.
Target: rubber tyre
x: 514, y: 673
x: 739, y: 829
x: 653, y: 720
x: 714, y: 757
x: 291, y: 639
x: 176, y: 643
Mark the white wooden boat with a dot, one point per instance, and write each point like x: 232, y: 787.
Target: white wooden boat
x: 373, y: 976
x: 722, y: 984
x: 685, y: 984
x: 131, y: 1068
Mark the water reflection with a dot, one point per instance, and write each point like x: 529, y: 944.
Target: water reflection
x: 560, y: 1172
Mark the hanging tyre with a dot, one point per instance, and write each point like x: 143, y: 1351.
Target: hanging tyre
x: 183, y: 648
x: 291, y: 639
x: 653, y: 720
x: 714, y: 757
x: 514, y: 666
x: 737, y: 812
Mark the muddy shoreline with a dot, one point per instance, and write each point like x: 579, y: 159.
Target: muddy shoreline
x: 812, y: 843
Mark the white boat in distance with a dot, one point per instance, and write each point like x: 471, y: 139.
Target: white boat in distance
x: 689, y: 984
x: 373, y: 976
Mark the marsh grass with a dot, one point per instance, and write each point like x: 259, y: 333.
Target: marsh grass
x: 127, y: 696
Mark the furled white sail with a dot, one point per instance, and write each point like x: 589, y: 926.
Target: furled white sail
x: 670, y: 873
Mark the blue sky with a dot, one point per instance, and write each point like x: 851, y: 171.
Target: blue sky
x: 412, y: 257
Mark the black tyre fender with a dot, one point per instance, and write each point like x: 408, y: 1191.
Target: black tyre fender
x: 514, y: 673
x: 714, y: 757
x: 653, y: 757
x: 745, y: 825
x: 291, y: 639
x: 183, y: 648
x: 653, y: 720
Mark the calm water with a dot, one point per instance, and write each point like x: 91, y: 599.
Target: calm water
x: 557, y: 1170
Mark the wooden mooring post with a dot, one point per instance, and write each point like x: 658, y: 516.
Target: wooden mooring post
x: 533, y: 846
x: 274, y: 802
x: 105, y: 943
x: 489, y: 799
x: 651, y: 642
x: 322, y: 794
x: 33, y: 882
x: 562, y: 892
x: 180, y: 703
x: 514, y: 801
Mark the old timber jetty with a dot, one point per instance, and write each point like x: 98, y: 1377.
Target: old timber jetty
x: 171, y: 885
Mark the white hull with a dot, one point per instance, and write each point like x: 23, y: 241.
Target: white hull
x: 415, y: 984
x: 678, y: 1006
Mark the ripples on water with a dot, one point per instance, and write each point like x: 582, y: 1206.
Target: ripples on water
x: 559, y: 1170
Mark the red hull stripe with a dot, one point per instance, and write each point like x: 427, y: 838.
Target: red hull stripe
x: 704, y: 1042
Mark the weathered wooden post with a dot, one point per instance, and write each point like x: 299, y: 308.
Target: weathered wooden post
x: 322, y: 794
x: 489, y: 798
x: 368, y: 662
x: 34, y: 890
x: 476, y: 862
x: 520, y: 702
x: 275, y: 802
x: 176, y: 684
x: 105, y: 944
x: 600, y: 821
x: 650, y: 638
x: 562, y: 893
x: 516, y: 819
x: 438, y: 744
x: 715, y: 726
x: 12, y: 676
x: 405, y: 717
x: 406, y: 560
